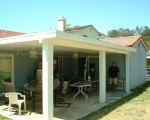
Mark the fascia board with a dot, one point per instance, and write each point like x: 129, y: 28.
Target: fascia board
x: 28, y: 37
x: 141, y: 40
x: 81, y: 39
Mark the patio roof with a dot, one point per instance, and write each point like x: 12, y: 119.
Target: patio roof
x: 57, y: 41
x: 63, y: 42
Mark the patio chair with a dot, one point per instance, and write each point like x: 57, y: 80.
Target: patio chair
x: 32, y: 81
x: 37, y: 95
x: 58, y: 91
x: 58, y: 101
x: 13, y: 99
x: 10, y: 87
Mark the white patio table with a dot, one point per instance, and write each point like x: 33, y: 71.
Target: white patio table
x: 80, y: 89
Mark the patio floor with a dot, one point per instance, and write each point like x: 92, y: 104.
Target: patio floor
x: 79, y: 107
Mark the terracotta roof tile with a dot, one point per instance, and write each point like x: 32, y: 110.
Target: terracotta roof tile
x: 125, y: 41
x: 128, y: 41
x: 8, y: 33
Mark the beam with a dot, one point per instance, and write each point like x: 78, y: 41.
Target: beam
x: 82, y: 45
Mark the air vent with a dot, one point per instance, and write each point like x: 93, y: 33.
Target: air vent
x: 84, y: 35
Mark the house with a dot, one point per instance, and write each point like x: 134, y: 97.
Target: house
x: 86, y: 31
x: 137, y: 62
x: 60, y: 44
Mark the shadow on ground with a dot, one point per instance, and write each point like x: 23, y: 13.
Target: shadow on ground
x: 125, y: 100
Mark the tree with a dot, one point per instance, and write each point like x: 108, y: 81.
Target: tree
x: 144, y: 31
x: 113, y: 33
x: 120, y: 33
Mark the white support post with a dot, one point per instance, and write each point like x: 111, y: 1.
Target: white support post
x: 102, y: 76
x: 127, y: 72
x: 47, y: 78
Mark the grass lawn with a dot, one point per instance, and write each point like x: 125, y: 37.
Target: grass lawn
x: 135, y: 106
x: 4, y: 118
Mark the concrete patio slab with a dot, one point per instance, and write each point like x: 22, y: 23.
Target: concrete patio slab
x: 78, y: 109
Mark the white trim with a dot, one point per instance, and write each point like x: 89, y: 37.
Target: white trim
x: 54, y: 36
x: 12, y: 64
x: 77, y: 44
x: 141, y: 40
x: 145, y: 46
x: 47, y: 78
x: 127, y: 57
x: 102, y: 76
x: 28, y: 37
x: 94, y: 42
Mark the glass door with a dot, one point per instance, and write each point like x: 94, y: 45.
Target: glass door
x: 5, y: 70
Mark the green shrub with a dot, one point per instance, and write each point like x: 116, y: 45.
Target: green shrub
x: 75, y: 78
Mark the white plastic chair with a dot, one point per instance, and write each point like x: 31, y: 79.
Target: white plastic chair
x: 13, y: 99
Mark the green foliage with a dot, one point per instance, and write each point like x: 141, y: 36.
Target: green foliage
x: 120, y: 33
x: 4, y: 118
x: 144, y: 31
x: 75, y: 77
x: 146, y: 38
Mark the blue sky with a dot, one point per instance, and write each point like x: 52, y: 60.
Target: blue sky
x: 41, y: 15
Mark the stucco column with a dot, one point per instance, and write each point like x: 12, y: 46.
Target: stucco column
x: 127, y: 72
x: 102, y: 76
x: 47, y: 76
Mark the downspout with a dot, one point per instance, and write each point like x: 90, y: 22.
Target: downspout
x: 86, y: 67
x: 86, y: 70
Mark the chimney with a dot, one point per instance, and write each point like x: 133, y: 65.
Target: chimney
x: 61, y: 24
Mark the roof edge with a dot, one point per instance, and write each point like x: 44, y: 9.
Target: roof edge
x: 143, y: 42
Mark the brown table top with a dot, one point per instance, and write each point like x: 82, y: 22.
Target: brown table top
x: 92, y: 81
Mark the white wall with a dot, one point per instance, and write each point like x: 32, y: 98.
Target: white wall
x: 137, y: 66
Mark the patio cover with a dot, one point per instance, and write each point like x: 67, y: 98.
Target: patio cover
x: 57, y: 41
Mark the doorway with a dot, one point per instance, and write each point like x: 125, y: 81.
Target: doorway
x: 81, y: 67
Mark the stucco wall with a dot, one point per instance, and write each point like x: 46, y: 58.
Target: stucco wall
x: 120, y: 63
x: 110, y: 57
x: 89, y: 31
x: 23, y: 67
x: 137, y: 66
